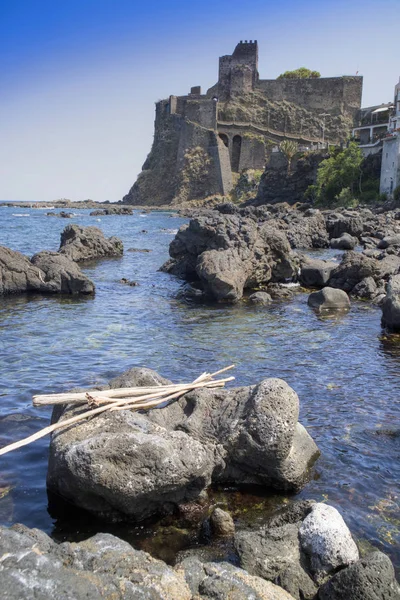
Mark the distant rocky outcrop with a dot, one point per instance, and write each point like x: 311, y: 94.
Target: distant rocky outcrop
x: 112, y: 210
x: 46, y: 273
x: 391, y: 305
x: 127, y: 465
x: 88, y: 243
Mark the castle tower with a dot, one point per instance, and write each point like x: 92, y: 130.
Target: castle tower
x: 238, y: 72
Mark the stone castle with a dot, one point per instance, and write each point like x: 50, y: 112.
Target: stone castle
x: 202, y: 140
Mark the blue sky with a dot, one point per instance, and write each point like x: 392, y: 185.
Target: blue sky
x: 80, y: 77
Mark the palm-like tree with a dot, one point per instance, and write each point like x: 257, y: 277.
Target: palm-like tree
x: 289, y: 149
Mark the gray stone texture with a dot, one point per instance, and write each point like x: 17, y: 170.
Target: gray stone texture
x: 371, y: 578
x: 88, y: 243
x: 125, y: 464
x: 329, y: 299
x: 46, y: 273
x: 229, y: 253
x: 315, y: 272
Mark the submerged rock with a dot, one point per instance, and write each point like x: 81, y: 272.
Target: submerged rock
x: 222, y: 523
x: 46, y: 273
x: 88, y: 243
x: 260, y: 298
x: 129, y: 465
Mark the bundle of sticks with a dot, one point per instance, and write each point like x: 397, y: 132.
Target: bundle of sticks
x: 134, y: 398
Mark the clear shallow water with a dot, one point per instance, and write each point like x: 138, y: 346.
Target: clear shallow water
x: 344, y: 369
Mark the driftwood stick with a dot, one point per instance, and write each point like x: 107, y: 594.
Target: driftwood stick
x: 162, y: 395
x: 77, y: 397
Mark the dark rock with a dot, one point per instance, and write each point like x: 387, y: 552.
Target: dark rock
x: 260, y: 298
x: 62, y: 272
x: 274, y: 554
x: 329, y: 299
x: 192, y: 294
x: 344, y: 242
x: 126, y: 464
x: 46, y: 273
x: 138, y: 250
x: 371, y: 578
x: 315, y: 272
x: 350, y: 222
x: 367, y: 289
x: 129, y: 282
x: 292, y: 513
x: 229, y: 253
x: 222, y: 523
x: 354, y: 268
x: 88, y: 243
x: 391, y: 305
x: 112, y: 210
x: 227, y: 208
x: 308, y: 231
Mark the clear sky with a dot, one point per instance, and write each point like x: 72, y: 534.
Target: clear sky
x: 79, y: 78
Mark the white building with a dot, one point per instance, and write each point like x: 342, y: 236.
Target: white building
x: 390, y: 170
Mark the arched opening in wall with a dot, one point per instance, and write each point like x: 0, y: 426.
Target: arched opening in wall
x: 224, y: 138
x: 236, y: 149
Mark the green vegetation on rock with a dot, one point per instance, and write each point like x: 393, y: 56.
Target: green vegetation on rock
x: 301, y: 73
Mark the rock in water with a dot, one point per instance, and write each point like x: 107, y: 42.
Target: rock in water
x: 45, y: 273
x: 344, y: 242
x: 391, y: 305
x: 229, y: 253
x: 88, y: 243
x: 130, y: 465
x: 222, y: 523
x: 329, y: 299
x: 326, y: 539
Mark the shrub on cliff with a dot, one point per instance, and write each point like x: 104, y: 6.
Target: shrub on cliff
x: 301, y: 73
x: 339, y: 172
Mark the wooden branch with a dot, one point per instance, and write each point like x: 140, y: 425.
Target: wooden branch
x: 144, y: 401
x: 78, y: 397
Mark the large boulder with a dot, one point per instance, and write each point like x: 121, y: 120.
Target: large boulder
x: 34, y: 567
x: 88, y: 243
x: 391, y: 305
x: 229, y: 253
x: 129, y: 465
x: 307, y: 230
x: 326, y: 540
x: 371, y: 578
x: 45, y: 273
x: 329, y: 299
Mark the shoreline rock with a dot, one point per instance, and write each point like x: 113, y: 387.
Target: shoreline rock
x: 46, y: 273
x: 126, y: 465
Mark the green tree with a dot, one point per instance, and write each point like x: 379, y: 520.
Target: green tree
x: 342, y: 170
x: 289, y: 149
x: 301, y: 73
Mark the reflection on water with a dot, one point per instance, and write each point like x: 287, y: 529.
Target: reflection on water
x: 345, y: 370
